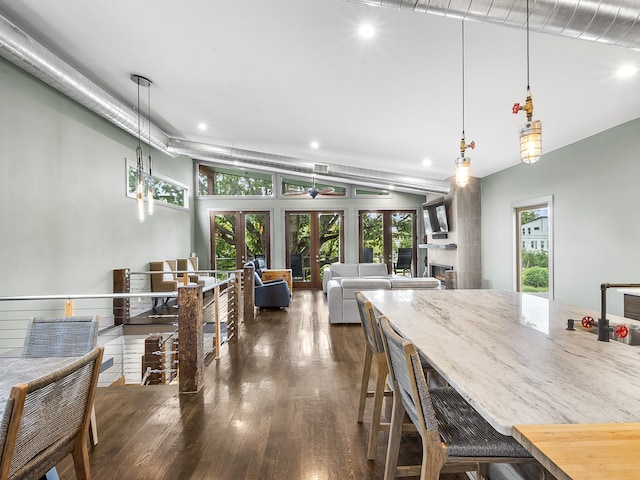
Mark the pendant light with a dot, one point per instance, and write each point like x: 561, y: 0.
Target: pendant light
x: 140, y: 190
x: 463, y: 164
x: 530, y: 132
x: 150, y: 199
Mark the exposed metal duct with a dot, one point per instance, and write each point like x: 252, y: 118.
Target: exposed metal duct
x: 615, y: 22
x: 291, y: 165
x: 30, y: 55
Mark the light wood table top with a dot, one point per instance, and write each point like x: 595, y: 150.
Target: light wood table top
x: 585, y: 451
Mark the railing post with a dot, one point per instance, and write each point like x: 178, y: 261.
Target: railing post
x: 190, y: 338
x: 151, y: 360
x: 121, y: 306
x: 248, y: 294
x: 233, y: 313
x: 216, y: 316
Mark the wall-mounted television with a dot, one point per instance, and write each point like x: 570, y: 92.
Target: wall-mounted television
x: 434, y: 213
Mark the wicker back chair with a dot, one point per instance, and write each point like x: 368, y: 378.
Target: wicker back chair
x: 48, y: 419
x: 60, y: 337
x: 63, y: 337
x: 373, y: 352
x: 455, y: 438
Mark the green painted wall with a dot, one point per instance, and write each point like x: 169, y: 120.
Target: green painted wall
x: 594, y: 184
x: 66, y: 220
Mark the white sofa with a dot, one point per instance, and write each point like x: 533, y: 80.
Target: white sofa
x: 337, y: 271
x: 341, y: 292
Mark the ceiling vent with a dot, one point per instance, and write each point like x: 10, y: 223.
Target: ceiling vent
x: 320, y: 168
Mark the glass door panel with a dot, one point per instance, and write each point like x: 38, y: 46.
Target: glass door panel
x: 224, y: 244
x: 402, y: 235
x: 299, y: 245
x: 256, y: 238
x: 372, y: 245
x: 330, y: 243
x: 533, y: 250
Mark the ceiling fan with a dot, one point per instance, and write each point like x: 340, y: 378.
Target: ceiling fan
x: 313, y: 191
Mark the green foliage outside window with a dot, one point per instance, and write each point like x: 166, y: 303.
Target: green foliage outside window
x: 537, y: 277
x: 163, y: 191
x: 221, y: 181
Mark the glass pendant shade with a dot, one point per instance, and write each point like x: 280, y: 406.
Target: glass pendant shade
x: 531, y: 142
x: 463, y: 171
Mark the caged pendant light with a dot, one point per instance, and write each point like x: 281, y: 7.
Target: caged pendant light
x: 530, y: 132
x: 140, y: 174
x: 463, y: 164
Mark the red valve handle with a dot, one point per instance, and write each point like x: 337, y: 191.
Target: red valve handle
x: 621, y: 330
x: 516, y: 108
x: 586, y: 321
x: 472, y: 145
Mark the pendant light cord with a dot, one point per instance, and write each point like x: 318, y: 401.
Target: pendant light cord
x: 149, y: 139
x: 528, y: 83
x: 463, y: 77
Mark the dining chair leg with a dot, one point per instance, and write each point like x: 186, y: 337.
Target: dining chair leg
x: 364, y: 386
x: 81, y: 460
x: 93, y: 427
x: 395, y: 434
x: 378, y: 397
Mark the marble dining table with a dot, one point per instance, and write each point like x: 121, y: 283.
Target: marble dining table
x: 512, y: 358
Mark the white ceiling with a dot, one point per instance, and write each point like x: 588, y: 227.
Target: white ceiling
x: 272, y: 75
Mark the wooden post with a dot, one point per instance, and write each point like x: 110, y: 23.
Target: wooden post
x: 151, y: 360
x: 248, y: 294
x: 216, y: 316
x: 68, y: 307
x: 233, y: 315
x: 121, y: 306
x: 190, y: 338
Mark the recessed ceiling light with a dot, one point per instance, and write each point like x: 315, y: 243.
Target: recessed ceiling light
x: 202, y: 126
x: 426, y: 162
x: 390, y: 187
x: 315, y: 145
x: 627, y: 71
x: 366, y: 31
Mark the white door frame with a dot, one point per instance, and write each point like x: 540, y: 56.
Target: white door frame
x: 548, y: 200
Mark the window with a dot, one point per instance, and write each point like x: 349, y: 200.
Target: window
x: 529, y: 231
x: 541, y: 244
x: 229, y: 182
x: 166, y: 191
x: 533, y: 244
x: 370, y: 192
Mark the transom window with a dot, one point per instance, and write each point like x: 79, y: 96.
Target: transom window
x: 229, y: 182
x: 165, y: 190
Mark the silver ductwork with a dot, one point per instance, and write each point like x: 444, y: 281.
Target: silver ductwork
x: 615, y: 22
x: 290, y: 165
x: 33, y: 57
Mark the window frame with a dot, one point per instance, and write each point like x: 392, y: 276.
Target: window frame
x: 234, y: 169
x: 132, y: 165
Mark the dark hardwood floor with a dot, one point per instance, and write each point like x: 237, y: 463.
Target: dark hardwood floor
x: 281, y: 403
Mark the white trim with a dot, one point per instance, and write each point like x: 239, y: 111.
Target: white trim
x: 544, y: 200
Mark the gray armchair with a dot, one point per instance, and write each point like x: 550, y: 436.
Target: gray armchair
x: 273, y: 294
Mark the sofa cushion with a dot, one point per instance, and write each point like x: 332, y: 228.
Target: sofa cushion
x: 414, y: 282
x: 351, y: 285
x: 344, y: 270
x: 372, y: 269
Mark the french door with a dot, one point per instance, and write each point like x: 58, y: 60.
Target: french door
x: 382, y: 232
x: 314, y: 239
x: 237, y: 237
